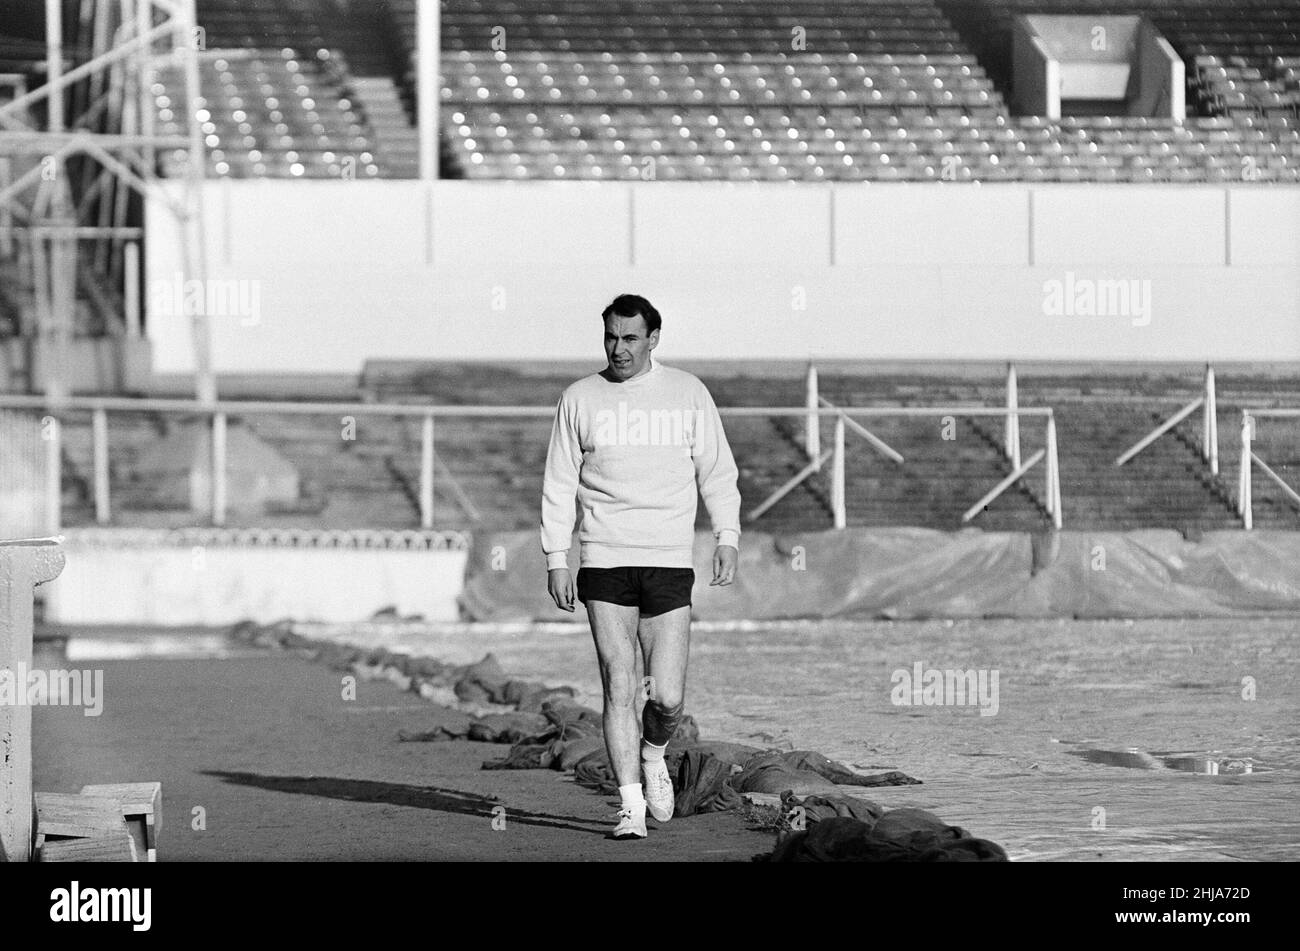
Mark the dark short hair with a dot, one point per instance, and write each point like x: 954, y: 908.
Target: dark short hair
x: 629, y: 305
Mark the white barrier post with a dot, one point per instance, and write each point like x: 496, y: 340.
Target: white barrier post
x: 1211, y: 451
x: 1243, y: 485
x: 838, y: 506
x: 1049, y: 501
x: 1012, y: 434
x: 52, y: 431
x: 1241, y: 476
x: 99, y: 440
x: 218, y: 469
x: 426, y: 473
x: 812, y: 433
x: 1056, y: 480
x: 1053, y: 475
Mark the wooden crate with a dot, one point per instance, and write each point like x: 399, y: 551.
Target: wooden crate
x: 64, y: 816
x: 119, y: 847
x: 141, y: 808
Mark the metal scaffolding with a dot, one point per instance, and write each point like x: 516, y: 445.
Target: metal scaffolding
x: 66, y: 190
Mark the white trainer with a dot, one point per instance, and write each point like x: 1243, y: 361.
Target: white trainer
x: 659, y: 796
x: 631, y: 824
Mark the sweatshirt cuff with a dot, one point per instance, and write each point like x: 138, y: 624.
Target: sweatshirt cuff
x: 557, y: 559
x: 729, y: 536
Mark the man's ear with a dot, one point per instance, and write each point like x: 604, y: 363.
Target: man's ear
x: 653, y: 339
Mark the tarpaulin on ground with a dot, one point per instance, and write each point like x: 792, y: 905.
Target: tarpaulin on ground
x: 708, y: 775
x: 1158, y: 573
x: 908, y: 573
x: 900, y: 835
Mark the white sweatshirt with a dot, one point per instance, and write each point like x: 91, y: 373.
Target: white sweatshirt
x: 633, y: 452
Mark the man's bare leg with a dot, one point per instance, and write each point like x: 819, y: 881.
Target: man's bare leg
x: 614, y: 627
x: 665, y: 643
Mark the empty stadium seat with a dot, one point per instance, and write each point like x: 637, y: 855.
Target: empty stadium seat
x: 805, y: 90
x: 272, y: 113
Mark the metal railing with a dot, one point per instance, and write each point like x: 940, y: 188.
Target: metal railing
x: 1245, y: 501
x: 817, y: 406
x: 218, y: 413
x: 1209, y: 426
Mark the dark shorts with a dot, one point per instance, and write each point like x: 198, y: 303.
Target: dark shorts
x: 653, y: 590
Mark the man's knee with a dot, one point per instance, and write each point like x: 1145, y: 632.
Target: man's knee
x: 659, y: 720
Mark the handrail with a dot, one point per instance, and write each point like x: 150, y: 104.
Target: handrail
x: 1160, y: 430
x: 877, y: 443
x: 219, y: 412
x: 1052, y: 492
x: 1268, y: 471
x: 304, y: 408
x: 1209, y: 426
x: 466, y: 504
x: 1002, y: 486
x: 1245, y: 491
x: 786, y: 487
x: 1010, y: 446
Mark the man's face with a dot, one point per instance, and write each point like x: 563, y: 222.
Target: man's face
x: 628, y: 346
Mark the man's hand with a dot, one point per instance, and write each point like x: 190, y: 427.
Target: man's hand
x: 724, y: 565
x: 559, y: 582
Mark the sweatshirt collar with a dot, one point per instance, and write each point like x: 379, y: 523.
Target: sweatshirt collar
x: 651, y: 367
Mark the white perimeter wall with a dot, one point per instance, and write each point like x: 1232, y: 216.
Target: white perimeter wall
x: 169, y: 585
x: 500, y: 270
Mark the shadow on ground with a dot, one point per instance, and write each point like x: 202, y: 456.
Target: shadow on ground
x: 400, y: 794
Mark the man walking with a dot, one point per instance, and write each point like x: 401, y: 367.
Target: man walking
x: 632, y: 442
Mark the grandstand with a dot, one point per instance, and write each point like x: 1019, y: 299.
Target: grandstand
x: 279, y: 99
x: 871, y: 92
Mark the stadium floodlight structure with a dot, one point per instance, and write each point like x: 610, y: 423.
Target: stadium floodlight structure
x: 72, y: 182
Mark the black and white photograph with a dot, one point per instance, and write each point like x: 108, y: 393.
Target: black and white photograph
x: 649, y: 431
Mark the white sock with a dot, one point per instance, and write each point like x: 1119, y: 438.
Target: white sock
x: 632, y: 796
x: 651, y: 753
